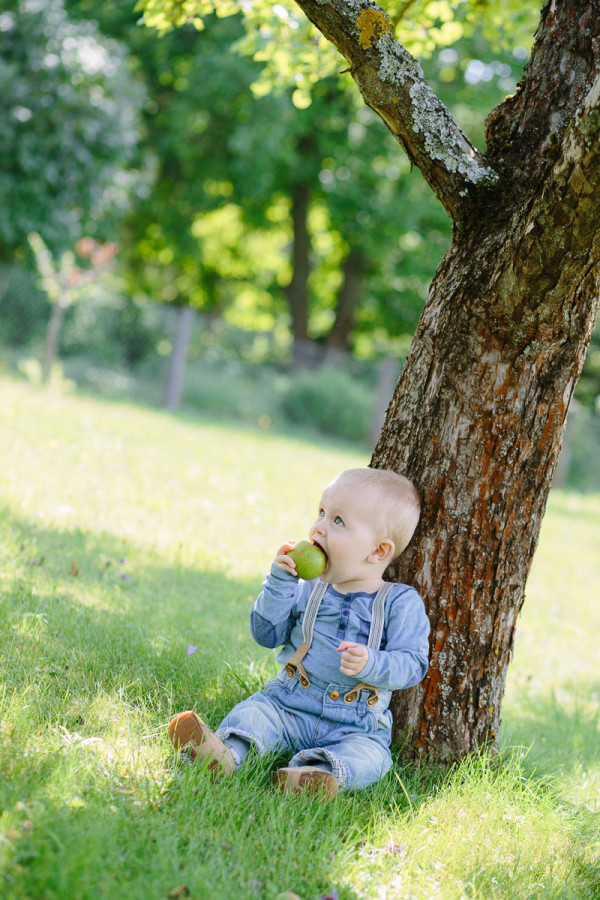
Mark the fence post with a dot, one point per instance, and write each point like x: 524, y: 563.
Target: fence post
x: 184, y: 324
x: 387, y: 376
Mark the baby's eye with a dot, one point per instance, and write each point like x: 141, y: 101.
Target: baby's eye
x: 338, y: 520
x: 321, y: 513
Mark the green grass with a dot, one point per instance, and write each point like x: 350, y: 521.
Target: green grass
x: 128, y: 536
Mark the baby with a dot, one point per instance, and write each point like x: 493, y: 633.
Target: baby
x: 348, y: 640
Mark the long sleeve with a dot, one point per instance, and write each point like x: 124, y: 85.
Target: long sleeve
x: 273, y: 614
x: 405, y: 660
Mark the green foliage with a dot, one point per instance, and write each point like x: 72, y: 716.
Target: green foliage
x: 69, y: 127
x: 214, y: 227
x: 426, y: 26
x: 111, y: 331
x: 290, y: 50
x: 588, y: 386
x: 211, y: 225
x: 233, y: 392
x: 106, y: 328
x: 331, y: 401
x: 294, y: 54
x: 581, y: 447
x: 24, y: 310
x: 198, y: 112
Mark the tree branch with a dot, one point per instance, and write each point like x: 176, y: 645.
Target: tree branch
x: 393, y: 85
x: 525, y: 131
x: 581, y: 141
x: 567, y: 208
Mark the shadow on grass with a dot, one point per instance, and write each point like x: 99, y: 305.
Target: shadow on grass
x: 93, y: 610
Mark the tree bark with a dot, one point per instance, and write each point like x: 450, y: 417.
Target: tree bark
x: 480, y: 408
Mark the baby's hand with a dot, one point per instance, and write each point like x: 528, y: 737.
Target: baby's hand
x: 354, y: 657
x: 284, y: 562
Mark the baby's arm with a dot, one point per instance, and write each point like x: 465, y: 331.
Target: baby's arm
x: 405, y: 659
x: 271, y: 617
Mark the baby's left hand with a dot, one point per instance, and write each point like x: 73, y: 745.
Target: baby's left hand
x: 354, y: 657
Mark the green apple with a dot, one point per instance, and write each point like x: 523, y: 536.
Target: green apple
x: 310, y: 560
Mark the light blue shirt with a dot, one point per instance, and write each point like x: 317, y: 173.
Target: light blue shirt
x: 401, y: 661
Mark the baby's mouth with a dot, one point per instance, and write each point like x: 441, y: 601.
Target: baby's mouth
x: 323, y: 551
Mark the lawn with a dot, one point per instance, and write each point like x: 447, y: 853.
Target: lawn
x: 133, y: 544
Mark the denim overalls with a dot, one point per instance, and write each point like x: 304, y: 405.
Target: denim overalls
x: 334, y: 721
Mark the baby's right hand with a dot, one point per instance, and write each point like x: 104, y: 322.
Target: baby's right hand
x: 283, y: 561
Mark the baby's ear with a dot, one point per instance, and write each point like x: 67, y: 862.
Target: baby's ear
x: 384, y: 551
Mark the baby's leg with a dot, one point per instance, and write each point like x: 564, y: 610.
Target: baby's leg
x: 355, y: 760
x: 258, y: 722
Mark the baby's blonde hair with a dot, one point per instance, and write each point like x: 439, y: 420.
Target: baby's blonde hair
x: 396, y: 507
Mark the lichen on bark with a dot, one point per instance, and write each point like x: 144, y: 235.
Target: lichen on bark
x: 429, y: 115
x: 372, y: 24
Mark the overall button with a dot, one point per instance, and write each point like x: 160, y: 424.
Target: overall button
x: 334, y: 695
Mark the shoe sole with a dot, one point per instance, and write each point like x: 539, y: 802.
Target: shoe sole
x: 188, y: 733
x: 323, y: 782
x: 185, y: 731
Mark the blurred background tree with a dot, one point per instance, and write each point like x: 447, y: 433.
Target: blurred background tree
x: 70, y: 128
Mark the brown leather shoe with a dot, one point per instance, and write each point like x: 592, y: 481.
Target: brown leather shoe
x: 301, y: 778
x: 190, y: 735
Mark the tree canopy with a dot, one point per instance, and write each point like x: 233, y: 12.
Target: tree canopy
x: 294, y: 53
x: 228, y: 162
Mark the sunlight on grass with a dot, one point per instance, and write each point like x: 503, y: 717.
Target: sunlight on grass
x: 553, y: 693
x: 509, y: 836
x: 217, y: 496
x: 133, y: 544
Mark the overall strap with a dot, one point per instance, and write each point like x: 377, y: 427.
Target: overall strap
x: 374, y: 642
x: 378, y: 616
x: 312, y: 608
x: 308, y: 624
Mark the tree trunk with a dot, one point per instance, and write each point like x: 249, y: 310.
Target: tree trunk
x: 477, y: 421
x: 297, y: 290
x: 348, y: 299
x: 563, y: 465
x: 479, y: 412
x: 177, y: 362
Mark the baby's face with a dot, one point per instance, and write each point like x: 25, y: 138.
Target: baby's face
x: 344, y: 531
